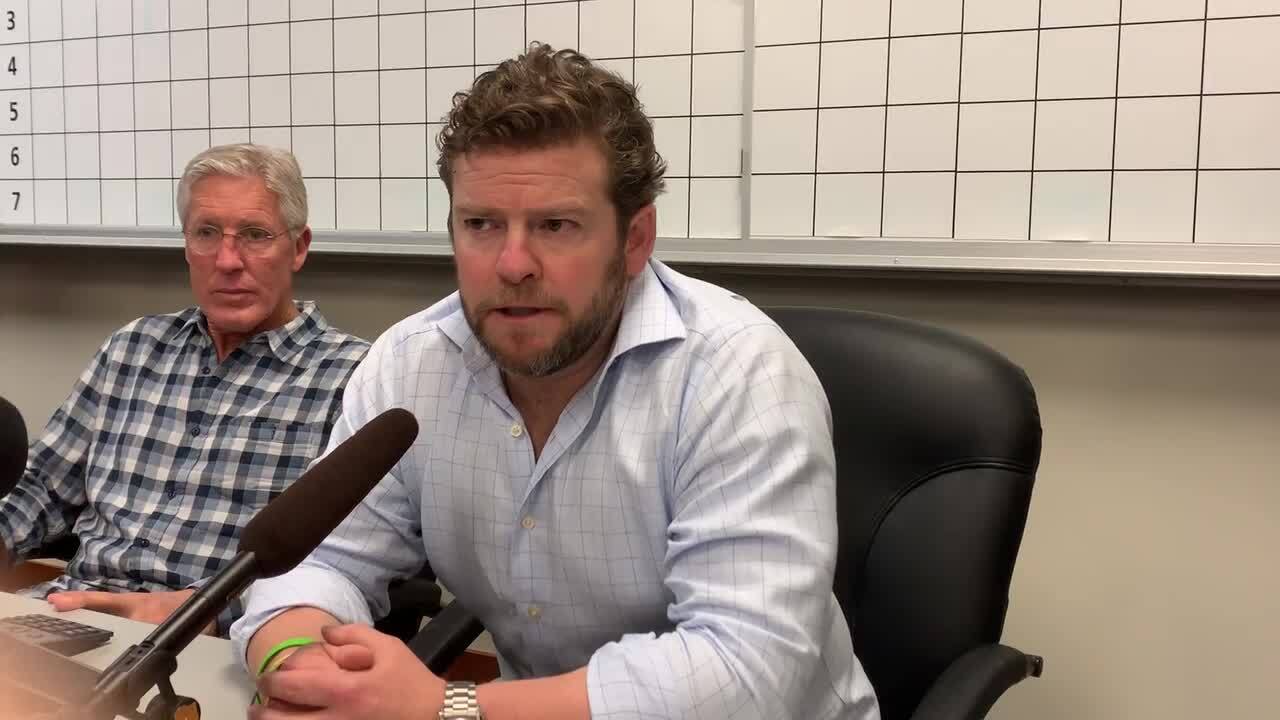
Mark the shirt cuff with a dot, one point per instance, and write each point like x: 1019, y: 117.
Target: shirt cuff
x: 324, y: 590
x: 199, y: 583
x: 10, y: 556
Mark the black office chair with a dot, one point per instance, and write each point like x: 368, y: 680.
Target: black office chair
x: 64, y: 548
x: 937, y: 443
x: 413, y: 599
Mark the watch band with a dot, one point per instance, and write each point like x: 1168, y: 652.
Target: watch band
x: 460, y: 702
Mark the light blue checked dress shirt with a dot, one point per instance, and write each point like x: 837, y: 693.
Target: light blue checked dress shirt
x: 676, y: 535
x: 161, y: 454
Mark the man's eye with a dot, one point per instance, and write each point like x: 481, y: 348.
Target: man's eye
x: 208, y: 232
x: 478, y: 224
x: 556, y: 225
x: 257, y: 235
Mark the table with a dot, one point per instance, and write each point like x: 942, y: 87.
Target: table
x: 207, y: 671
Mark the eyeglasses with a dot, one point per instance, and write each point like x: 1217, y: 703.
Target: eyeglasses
x: 206, y: 239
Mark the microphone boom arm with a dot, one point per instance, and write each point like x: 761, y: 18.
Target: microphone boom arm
x: 324, y: 495
x: 152, y: 662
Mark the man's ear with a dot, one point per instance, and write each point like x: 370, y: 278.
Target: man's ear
x: 642, y: 234
x: 301, y: 246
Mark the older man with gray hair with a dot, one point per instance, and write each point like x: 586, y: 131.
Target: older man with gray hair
x: 184, y: 425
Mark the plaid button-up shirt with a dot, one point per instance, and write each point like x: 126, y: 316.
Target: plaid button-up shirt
x: 162, y: 454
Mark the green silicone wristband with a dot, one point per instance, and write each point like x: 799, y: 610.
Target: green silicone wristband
x: 290, y: 643
x: 266, y: 661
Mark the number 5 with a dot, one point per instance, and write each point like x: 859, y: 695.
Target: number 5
x: 13, y: 110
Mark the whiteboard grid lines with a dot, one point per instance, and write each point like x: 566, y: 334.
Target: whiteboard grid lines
x: 803, y: 119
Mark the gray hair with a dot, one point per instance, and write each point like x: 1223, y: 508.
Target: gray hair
x: 277, y: 168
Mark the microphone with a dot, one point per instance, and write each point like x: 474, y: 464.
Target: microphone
x: 278, y: 537
x: 13, y: 446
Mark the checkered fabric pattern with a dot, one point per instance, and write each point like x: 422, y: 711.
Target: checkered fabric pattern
x: 161, y: 454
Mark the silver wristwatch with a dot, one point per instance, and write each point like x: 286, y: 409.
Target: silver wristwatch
x: 460, y: 702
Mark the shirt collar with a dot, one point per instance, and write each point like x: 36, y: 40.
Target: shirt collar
x: 284, y: 342
x: 649, y: 316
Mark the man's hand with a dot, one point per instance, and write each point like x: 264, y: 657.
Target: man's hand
x: 317, y: 656
x: 149, y: 607
x: 361, y: 673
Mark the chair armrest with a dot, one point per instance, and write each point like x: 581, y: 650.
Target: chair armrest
x: 445, y: 637
x: 415, y: 593
x: 411, y: 600
x: 968, y: 688
x: 64, y: 548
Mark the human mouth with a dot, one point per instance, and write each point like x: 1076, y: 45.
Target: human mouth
x: 519, y: 312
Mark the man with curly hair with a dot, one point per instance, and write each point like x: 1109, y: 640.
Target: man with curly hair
x: 625, y: 473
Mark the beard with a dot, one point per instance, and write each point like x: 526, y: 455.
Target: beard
x: 574, y: 342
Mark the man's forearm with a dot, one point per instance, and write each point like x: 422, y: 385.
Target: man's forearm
x: 562, y: 697
x: 296, y: 622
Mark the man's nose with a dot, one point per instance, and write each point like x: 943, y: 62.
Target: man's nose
x: 517, y: 262
x: 228, y: 257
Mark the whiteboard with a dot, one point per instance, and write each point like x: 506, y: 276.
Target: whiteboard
x: 1064, y: 135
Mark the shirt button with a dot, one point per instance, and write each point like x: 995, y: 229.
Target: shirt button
x: 195, y: 432
x: 144, y: 543
x: 516, y: 430
x: 204, y: 371
x: 535, y: 612
x: 529, y: 523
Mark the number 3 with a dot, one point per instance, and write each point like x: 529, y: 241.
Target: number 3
x: 12, y: 24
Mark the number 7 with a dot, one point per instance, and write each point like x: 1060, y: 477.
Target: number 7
x: 16, y: 197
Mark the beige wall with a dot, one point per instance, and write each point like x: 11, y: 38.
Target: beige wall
x: 1146, y: 577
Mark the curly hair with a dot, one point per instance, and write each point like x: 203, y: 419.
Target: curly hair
x: 545, y: 97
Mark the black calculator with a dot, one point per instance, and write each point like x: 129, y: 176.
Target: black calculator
x: 65, y: 637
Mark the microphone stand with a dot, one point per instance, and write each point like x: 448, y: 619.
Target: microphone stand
x: 152, y: 662
x: 145, y: 668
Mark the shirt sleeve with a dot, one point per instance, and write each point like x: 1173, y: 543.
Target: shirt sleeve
x: 751, y: 548
x: 51, y: 493
x: 348, y: 574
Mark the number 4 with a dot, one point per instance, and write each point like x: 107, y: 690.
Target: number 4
x: 13, y: 65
